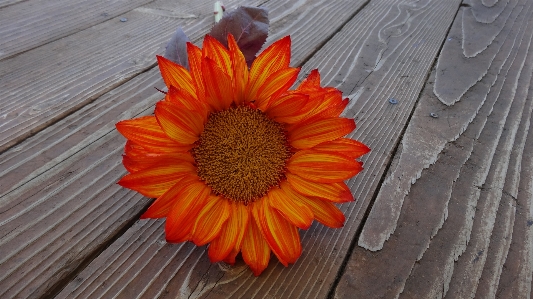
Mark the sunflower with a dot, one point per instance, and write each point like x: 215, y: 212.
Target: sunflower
x: 236, y: 159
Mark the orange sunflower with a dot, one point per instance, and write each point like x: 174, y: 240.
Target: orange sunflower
x: 236, y: 159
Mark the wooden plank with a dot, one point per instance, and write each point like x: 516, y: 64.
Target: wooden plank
x: 39, y: 225
x: 453, y: 234
x: 30, y: 24
x: 155, y: 269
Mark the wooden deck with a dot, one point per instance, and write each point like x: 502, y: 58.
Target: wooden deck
x: 444, y: 206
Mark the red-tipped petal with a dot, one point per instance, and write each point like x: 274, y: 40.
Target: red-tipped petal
x: 275, y: 85
x: 326, y: 212
x: 335, y: 192
x: 219, y: 90
x: 156, y: 180
x: 287, y: 108
x: 289, y: 205
x: 213, y: 49
x: 184, y: 212
x: 274, y: 58
x: 240, y: 70
x: 346, y: 146
x: 184, y: 100
x: 230, y: 238
x: 255, y: 250
x: 146, y: 132
x: 183, y: 126
x: 195, y: 64
x: 210, y: 220
x: 310, y: 133
x: 280, y: 234
x: 176, y: 75
x: 311, y: 83
x: 323, y: 167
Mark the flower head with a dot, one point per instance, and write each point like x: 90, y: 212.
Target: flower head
x: 236, y: 159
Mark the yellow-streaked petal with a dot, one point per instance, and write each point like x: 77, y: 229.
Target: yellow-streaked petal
x: 195, y: 64
x: 289, y: 205
x: 275, y: 85
x: 146, y: 132
x: 176, y: 75
x: 346, y: 146
x: 210, y: 220
x: 286, y: 108
x: 326, y: 212
x: 183, y: 100
x: 231, y: 235
x: 156, y: 180
x: 135, y: 160
x: 255, y: 250
x: 323, y: 167
x: 335, y: 192
x: 311, y: 83
x: 240, y: 70
x: 181, y: 125
x: 274, y: 58
x: 162, y: 205
x: 280, y: 234
x: 188, y: 204
x: 213, y: 49
x: 219, y: 90
x: 313, y: 132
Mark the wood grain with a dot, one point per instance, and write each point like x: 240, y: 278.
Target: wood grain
x: 456, y: 182
x: 32, y: 23
x: 47, y: 179
x: 369, y: 59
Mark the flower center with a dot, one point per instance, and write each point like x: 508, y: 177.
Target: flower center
x: 241, y: 153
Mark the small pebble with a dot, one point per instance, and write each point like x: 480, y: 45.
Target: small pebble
x: 124, y: 20
x: 449, y: 38
x: 393, y: 101
x: 434, y: 115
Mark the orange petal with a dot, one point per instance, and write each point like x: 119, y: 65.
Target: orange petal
x: 275, y: 85
x: 311, y: 83
x: 230, y: 258
x: 176, y: 75
x: 219, y: 90
x: 210, y: 220
x: 323, y: 167
x: 346, y: 146
x: 310, y: 133
x: 162, y: 205
x: 288, y: 204
x: 184, y: 100
x: 274, y: 58
x: 240, y: 70
x: 195, y: 64
x: 146, y: 132
x: 134, y: 163
x: 255, y: 250
x: 230, y: 238
x: 326, y: 212
x: 183, y: 126
x: 213, y: 49
x: 280, y: 234
x: 156, y: 180
x: 286, y: 108
x: 335, y: 192
x: 188, y: 204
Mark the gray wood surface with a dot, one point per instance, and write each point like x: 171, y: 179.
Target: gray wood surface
x: 450, y: 219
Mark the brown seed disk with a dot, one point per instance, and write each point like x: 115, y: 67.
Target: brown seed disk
x: 241, y: 153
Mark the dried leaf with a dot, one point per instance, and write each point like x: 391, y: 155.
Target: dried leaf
x: 249, y: 26
x: 176, y: 49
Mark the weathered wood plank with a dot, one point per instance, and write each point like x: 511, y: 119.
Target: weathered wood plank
x: 55, y: 161
x: 33, y: 23
x: 453, y: 234
x: 379, y: 37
